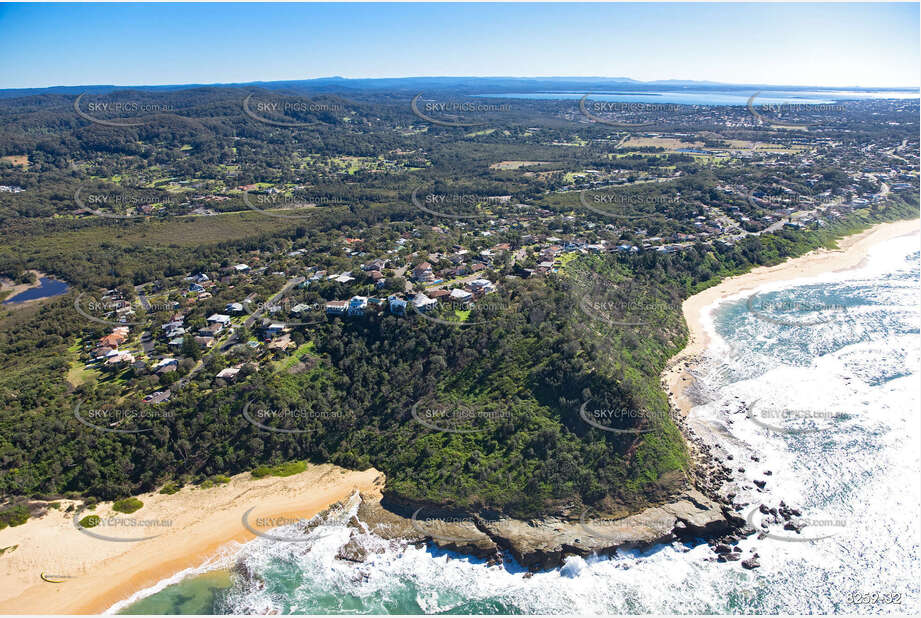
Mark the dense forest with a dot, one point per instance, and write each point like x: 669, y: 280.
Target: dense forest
x: 537, y: 358
x: 525, y: 365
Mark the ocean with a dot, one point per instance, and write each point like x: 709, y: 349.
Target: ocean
x: 689, y: 95
x: 811, y: 386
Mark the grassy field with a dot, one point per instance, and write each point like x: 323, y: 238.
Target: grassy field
x: 78, y: 374
x: 565, y: 259
x: 183, y: 232
x: 514, y: 165
x: 295, y: 357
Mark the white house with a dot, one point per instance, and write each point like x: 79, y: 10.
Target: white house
x: 423, y: 303
x: 219, y: 318
x: 459, y: 295
x: 229, y: 373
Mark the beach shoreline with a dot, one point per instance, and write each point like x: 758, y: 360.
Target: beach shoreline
x: 97, y: 574
x: 851, y: 252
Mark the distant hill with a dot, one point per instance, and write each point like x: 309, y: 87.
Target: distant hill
x: 469, y: 85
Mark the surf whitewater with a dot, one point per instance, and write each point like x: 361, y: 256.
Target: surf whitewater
x: 817, y: 428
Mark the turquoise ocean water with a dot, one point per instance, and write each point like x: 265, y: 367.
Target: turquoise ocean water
x: 820, y: 383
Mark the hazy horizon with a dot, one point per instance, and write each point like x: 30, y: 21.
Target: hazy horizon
x: 574, y: 78
x: 803, y: 45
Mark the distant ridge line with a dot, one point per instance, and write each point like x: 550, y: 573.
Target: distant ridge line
x: 458, y: 84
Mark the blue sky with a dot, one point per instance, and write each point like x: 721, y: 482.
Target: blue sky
x: 134, y: 44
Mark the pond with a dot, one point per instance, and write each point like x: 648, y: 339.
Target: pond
x: 48, y: 287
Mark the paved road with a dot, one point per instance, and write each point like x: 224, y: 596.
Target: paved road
x: 248, y: 322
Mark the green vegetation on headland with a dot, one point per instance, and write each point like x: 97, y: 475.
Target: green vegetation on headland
x: 288, y: 468
x: 490, y: 410
x: 13, y: 516
x: 528, y: 369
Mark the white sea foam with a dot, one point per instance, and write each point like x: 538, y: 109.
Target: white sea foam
x: 853, y: 475
x: 222, y: 560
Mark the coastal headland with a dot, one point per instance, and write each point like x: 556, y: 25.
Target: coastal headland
x: 49, y: 566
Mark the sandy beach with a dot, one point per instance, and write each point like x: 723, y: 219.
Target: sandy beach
x: 852, y: 250
x: 193, y: 526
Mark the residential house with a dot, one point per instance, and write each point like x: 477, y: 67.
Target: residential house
x: 481, y: 286
x: 157, y: 397
x: 275, y: 329
x: 460, y: 295
x: 112, y: 340
x: 220, y: 320
x: 423, y: 273
x: 423, y: 303
x: 378, y: 264
x: 118, y: 357
x: 165, y: 365
x: 210, y: 331
x: 228, y: 373
x: 337, y: 307
x: 357, y: 305
x: 397, y: 305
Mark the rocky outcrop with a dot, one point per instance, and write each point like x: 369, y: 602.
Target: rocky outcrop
x: 450, y: 530
x: 543, y: 543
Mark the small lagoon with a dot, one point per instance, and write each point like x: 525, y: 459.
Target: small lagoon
x: 47, y: 288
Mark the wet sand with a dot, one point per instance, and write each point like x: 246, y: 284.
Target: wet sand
x: 852, y: 250
x: 99, y: 573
